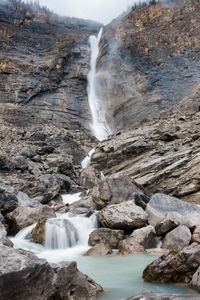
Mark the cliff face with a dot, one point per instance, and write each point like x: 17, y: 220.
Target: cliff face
x: 150, y: 61
x: 43, y: 64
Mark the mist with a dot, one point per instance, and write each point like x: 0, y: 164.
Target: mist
x: 102, y: 11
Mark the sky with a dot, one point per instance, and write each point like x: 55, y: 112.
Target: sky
x: 98, y: 10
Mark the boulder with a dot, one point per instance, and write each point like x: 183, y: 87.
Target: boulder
x: 129, y: 246
x: 20, y: 163
x: 106, y: 236
x: 24, y: 200
x: 89, y: 178
x: 177, y: 239
x: 24, y: 216
x: 99, y: 250
x: 123, y: 215
x: 8, y: 199
x: 196, y: 235
x: 3, y: 239
x: 152, y: 296
x: 145, y: 236
x: 37, y: 235
x: 177, y: 212
x: 166, y: 225
x: 114, y: 190
x: 174, y: 267
x: 35, y: 278
x: 195, y: 282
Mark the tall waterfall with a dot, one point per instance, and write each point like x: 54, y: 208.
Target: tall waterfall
x: 99, y: 125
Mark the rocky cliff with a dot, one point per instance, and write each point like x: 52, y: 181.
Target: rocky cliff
x: 149, y: 61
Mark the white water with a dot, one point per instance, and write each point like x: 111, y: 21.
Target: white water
x: 71, y: 198
x: 99, y: 125
x: 86, y: 161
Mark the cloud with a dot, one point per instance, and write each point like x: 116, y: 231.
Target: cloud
x: 99, y: 10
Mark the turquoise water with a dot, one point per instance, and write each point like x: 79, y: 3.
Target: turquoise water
x: 121, y: 277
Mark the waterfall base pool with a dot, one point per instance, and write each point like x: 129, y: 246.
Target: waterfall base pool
x: 120, y: 276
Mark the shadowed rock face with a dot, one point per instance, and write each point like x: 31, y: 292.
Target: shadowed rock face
x: 149, y: 61
x: 44, y: 64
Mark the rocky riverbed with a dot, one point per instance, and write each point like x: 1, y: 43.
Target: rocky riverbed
x: 143, y: 181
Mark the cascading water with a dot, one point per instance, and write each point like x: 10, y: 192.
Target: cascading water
x: 99, y: 125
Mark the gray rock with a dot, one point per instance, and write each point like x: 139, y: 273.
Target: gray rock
x: 162, y: 207
x: 24, y: 200
x: 114, y: 190
x: 27, y: 152
x: 196, y: 235
x: 34, y: 278
x: 152, y: 296
x: 123, y: 215
x: 89, y: 177
x: 177, y: 239
x: 24, y: 216
x: 145, y: 236
x: 8, y: 199
x: 99, y: 250
x: 195, y: 282
x: 106, y: 236
x: 3, y: 239
x: 129, y: 246
x: 20, y: 163
x: 178, y: 267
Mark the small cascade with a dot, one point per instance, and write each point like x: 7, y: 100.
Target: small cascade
x: 60, y: 234
x: 99, y: 126
x: 71, y: 198
x: 87, y: 160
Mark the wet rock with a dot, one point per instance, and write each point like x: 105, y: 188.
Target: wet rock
x: 177, y: 239
x: 106, y: 236
x: 24, y: 216
x: 196, y: 235
x: 90, y: 177
x: 174, y: 267
x: 145, y: 236
x: 123, y: 215
x: 129, y: 246
x: 36, y: 279
x: 153, y: 296
x: 114, y: 190
x: 99, y: 250
x: 37, y: 235
x: 162, y: 207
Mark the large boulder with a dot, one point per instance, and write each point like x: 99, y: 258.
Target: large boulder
x: 177, y: 212
x: 178, y: 267
x: 123, y: 215
x: 35, y: 278
x: 107, y: 236
x: 129, y: 246
x: 116, y: 189
x: 177, y: 239
x: 24, y: 216
x: 145, y: 236
x: 152, y: 296
x: 99, y: 250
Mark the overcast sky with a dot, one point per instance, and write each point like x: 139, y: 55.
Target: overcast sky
x: 99, y: 10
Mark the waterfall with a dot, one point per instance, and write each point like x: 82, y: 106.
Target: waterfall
x: 86, y: 162
x: 68, y: 230
x: 99, y: 126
